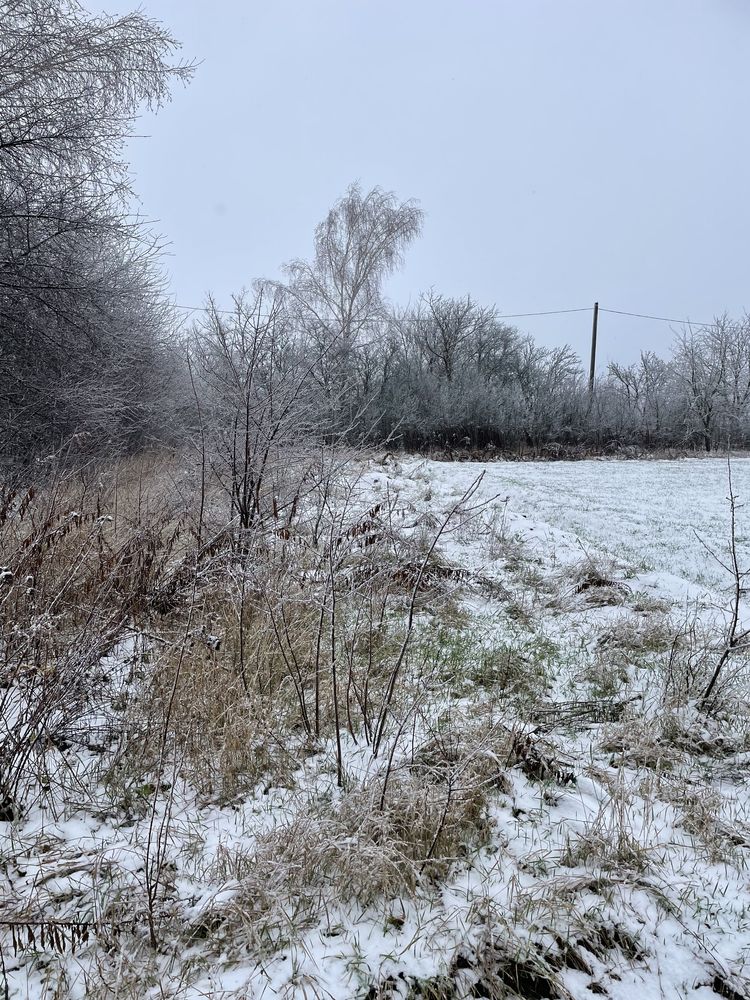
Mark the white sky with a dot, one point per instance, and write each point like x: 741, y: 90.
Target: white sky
x: 563, y: 150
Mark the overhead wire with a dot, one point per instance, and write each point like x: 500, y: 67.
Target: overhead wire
x: 503, y: 316
x: 659, y: 319
x: 546, y: 312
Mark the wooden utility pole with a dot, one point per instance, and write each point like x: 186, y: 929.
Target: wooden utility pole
x: 592, y: 369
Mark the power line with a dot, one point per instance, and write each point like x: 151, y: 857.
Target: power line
x: 228, y: 312
x: 658, y: 319
x: 547, y: 312
x: 502, y: 316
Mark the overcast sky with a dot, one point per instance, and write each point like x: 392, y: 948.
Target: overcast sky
x: 563, y: 150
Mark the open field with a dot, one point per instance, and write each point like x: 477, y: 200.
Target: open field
x: 418, y: 741
x: 645, y: 512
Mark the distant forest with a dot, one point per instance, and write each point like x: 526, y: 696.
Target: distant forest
x: 94, y: 360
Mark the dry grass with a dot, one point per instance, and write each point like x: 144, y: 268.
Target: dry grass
x: 621, y: 837
x: 353, y: 849
x: 262, y: 662
x: 639, y: 635
x: 241, y: 635
x: 391, y: 834
x: 83, y: 560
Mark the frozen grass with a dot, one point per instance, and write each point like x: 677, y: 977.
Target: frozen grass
x: 409, y: 744
x: 645, y: 512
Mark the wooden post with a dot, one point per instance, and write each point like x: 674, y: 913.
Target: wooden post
x: 592, y: 369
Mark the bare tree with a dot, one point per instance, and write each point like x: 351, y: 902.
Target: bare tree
x: 71, y: 84
x: 256, y: 382
x: 360, y: 242
x: 338, y: 296
x: 448, y: 329
x: 700, y: 364
x: 80, y: 289
x: 548, y: 380
x: 732, y: 339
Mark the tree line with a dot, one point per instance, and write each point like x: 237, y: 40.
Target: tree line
x: 84, y: 322
x: 449, y: 372
x: 93, y: 358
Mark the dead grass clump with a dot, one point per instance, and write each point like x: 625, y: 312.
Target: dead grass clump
x: 502, y: 972
x: 225, y: 740
x: 638, y: 635
x: 610, y: 850
x: 76, y: 578
x: 621, y: 835
x: 699, y: 735
x: 606, y: 673
x: 701, y: 816
x: 639, y: 742
x: 302, y: 867
x: 427, y: 823
x: 470, y: 759
x: 659, y: 742
x: 599, y: 591
x: 563, y: 923
x: 370, y: 844
x: 589, y: 583
x: 500, y: 543
x: 531, y: 964
x: 432, y: 988
x: 601, y: 938
x: 647, y: 604
x: 531, y: 576
x: 607, y: 845
x: 503, y: 963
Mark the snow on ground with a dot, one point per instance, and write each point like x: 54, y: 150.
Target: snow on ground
x: 667, y: 521
x: 617, y: 852
x: 646, y: 512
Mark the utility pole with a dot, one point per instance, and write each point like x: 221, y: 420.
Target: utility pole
x: 592, y: 369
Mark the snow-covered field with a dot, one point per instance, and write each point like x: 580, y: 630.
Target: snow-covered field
x: 551, y: 701
x: 646, y: 512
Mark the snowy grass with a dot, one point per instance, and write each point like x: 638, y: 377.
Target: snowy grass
x: 644, y: 512
x: 547, y: 814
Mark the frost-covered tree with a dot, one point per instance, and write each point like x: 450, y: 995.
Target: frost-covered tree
x: 337, y: 297
x: 81, y: 309
x: 254, y: 382
x: 360, y: 242
x: 701, y: 363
